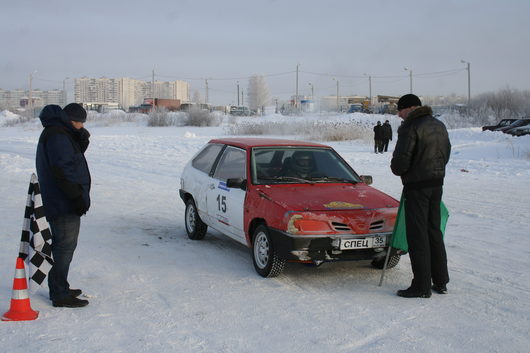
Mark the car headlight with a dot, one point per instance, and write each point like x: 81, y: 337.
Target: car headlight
x: 299, y: 225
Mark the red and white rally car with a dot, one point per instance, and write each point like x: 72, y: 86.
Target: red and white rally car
x: 287, y: 201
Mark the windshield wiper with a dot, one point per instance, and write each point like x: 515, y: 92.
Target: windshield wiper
x: 287, y: 178
x: 343, y: 180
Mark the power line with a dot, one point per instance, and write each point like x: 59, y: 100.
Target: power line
x: 226, y: 78
x: 331, y: 74
x: 441, y: 73
x: 242, y: 77
x: 46, y: 80
x: 446, y: 72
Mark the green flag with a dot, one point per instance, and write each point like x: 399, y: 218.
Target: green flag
x: 399, y: 234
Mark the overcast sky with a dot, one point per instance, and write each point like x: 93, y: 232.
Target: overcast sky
x: 227, y: 41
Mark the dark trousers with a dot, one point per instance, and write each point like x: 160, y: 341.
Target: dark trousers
x: 385, y: 145
x: 378, y: 146
x: 65, y: 231
x: 426, y: 246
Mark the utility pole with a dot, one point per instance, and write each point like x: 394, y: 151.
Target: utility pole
x: 337, y: 93
x: 238, y: 93
x: 30, y: 104
x: 370, y: 88
x: 296, y: 93
x: 410, y: 74
x: 312, y: 91
x: 242, y: 97
x: 65, y: 95
x: 468, y: 81
x: 153, y: 85
x: 30, y: 98
x: 206, y: 84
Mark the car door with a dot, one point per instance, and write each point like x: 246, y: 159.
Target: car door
x: 196, y: 176
x: 225, y: 205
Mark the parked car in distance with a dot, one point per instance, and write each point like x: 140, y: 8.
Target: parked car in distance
x: 520, y: 131
x: 287, y: 200
x: 240, y: 110
x: 502, y: 123
x: 356, y: 108
x: 515, y: 124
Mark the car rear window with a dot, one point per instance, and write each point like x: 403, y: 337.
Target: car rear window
x: 231, y: 165
x: 205, y: 159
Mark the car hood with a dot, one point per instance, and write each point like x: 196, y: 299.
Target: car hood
x: 327, y: 197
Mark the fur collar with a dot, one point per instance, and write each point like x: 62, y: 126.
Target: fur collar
x: 419, y: 112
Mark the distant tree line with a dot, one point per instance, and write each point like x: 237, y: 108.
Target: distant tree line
x: 507, y: 103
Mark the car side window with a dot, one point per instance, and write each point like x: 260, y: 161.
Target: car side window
x: 232, y: 164
x: 206, y: 158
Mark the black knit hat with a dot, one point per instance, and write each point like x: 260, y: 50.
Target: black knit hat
x: 407, y: 101
x: 75, y: 112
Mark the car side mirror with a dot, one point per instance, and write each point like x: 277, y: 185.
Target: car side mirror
x: 367, y: 179
x: 237, y: 183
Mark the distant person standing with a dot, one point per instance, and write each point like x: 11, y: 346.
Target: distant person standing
x: 378, y: 138
x: 421, y: 154
x: 65, y: 186
x: 387, y: 135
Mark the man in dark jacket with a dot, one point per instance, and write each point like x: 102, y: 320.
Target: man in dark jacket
x: 387, y: 135
x: 378, y: 138
x: 421, y: 154
x: 64, y: 179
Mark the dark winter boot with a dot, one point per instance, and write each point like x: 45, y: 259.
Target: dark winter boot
x: 440, y: 289
x: 413, y: 293
x: 74, y: 292
x: 70, y: 302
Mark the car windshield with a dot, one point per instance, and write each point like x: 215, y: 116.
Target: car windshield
x: 287, y: 165
x: 520, y: 122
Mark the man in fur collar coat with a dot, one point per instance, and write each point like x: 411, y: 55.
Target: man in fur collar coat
x: 421, y: 154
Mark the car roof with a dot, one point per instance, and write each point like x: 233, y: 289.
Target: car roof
x: 248, y: 142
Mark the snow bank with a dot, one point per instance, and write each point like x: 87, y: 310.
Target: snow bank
x: 8, y: 117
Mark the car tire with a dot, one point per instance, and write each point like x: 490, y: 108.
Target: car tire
x: 264, y: 255
x: 379, y: 262
x: 195, y: 227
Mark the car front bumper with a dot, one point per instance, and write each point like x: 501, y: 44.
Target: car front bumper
x: 322, y: 248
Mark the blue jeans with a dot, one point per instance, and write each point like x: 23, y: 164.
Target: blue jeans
x: 65, y: 231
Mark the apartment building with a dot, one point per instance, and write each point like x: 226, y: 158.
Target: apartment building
x: 126, y: 91
x: 19, y: 98
x: 96, y: 90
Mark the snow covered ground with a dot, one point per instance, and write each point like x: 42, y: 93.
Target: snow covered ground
x: 151, y: 289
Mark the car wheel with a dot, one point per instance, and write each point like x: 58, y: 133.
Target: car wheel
x: 265, y: 258
x: 379, y: 262
x: 195, y: 227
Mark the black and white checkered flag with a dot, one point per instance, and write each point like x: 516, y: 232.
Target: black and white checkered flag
x: 35, y: 244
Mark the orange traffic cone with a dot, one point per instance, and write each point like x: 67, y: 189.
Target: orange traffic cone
x: 20, y: 307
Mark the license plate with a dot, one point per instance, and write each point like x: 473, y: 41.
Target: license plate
x: 363, y: 243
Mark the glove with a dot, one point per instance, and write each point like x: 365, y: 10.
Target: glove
x: 83, y: 139
x: 79, y: 206
x: 83, y: 134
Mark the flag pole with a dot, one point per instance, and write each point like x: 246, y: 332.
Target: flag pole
x: 386, y: 260
x: 392, y: 236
